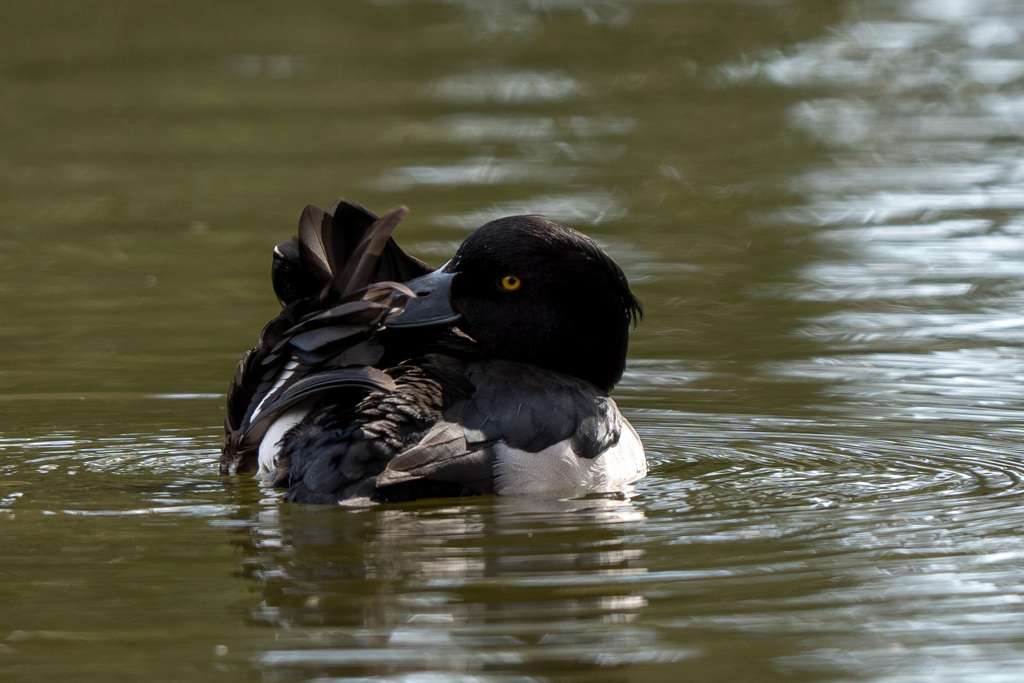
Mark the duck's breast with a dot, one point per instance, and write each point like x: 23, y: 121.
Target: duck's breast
x: 559, y: 470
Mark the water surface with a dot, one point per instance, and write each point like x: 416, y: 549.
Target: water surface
x: 821, y: 205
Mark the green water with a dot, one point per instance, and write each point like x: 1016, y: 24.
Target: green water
x: 820, y: 204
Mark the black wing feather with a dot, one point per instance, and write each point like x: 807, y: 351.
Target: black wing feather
x: 336, y: 282
x: 339, y: 454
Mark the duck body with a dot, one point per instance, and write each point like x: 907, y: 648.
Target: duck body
x: 490, y: 375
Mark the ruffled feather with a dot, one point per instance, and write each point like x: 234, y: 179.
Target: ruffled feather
x: 337, y: 281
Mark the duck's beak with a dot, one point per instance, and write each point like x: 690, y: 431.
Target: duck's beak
x: 432, y: 303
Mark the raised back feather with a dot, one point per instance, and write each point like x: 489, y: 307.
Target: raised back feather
x: 336, y: 283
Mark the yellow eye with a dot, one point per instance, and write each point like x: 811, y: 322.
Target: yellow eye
x: 511, y: 283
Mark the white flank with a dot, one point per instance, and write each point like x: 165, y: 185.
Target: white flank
x: 558, y: 470
x: 270, y: 446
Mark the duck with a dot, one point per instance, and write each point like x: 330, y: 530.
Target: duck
x: 383, y: 380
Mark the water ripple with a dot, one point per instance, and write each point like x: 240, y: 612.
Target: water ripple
x: 70, y: 473
x: 505, y: 86
x: 587, y: 208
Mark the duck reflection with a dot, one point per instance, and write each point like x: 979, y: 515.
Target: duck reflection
x: 489, y: 584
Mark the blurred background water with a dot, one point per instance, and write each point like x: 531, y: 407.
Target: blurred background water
x: 820, y: 203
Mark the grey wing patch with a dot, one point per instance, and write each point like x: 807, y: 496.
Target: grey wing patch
x: 532, y: 422
x: 599, y: 429
x: 549, y: 408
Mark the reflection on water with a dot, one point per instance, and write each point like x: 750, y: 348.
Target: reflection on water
x: 579, y: 209
x: 491, y: 585
x: 542, y: 151
x: 917, y: 214
x: 524, y: 86
x: 547, y: 151
x: 270, y: 66
x: 897, y: 585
